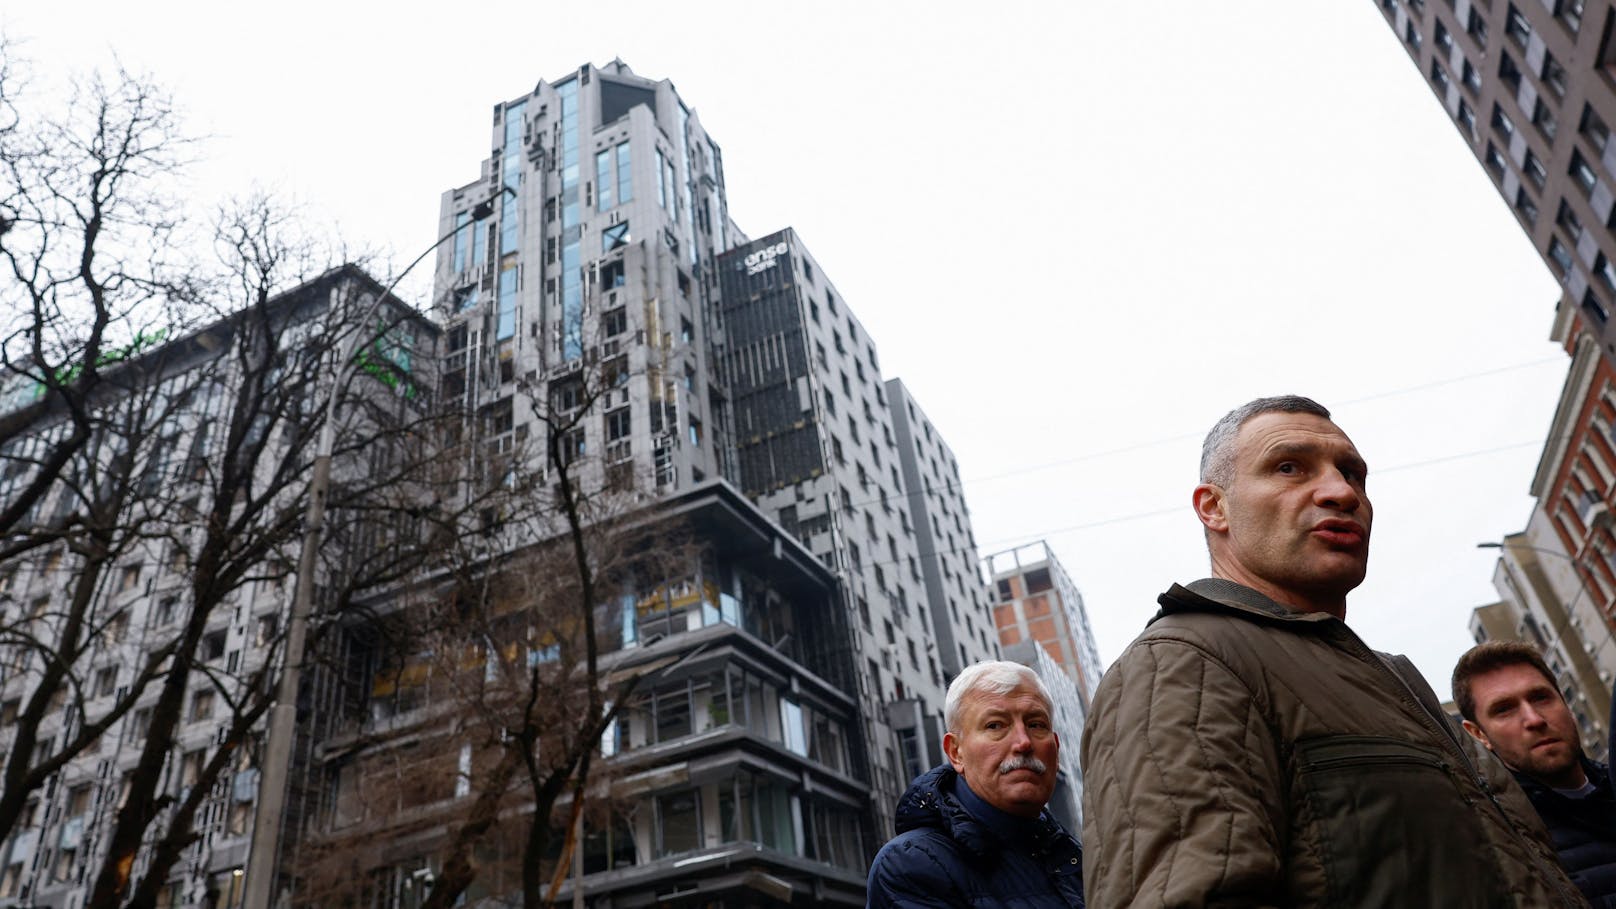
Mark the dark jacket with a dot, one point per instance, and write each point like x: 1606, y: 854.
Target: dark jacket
x: 953, y: 849
x: 1584, y: 832
x: 1243, y: 754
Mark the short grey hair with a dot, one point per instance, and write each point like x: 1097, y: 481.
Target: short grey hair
x: 992, y: 677
x: 1217, y: 452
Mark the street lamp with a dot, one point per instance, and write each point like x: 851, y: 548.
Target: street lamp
x: 283, y: 716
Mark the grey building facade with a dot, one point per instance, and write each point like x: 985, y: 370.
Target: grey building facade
x: 1527, y: 85
x: 815, y: 447
x: 961, y: 616
x: 596, y: 265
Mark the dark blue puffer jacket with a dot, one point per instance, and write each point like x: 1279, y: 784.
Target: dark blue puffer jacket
x: 1584, y: 832
x: 953, y: 849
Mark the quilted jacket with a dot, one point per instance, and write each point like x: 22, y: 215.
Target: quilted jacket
x: 1584, y: 832
x: 1241, y: 754
x: 953, y: 849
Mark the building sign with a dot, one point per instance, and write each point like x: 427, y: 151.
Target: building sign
x: 765, y: 258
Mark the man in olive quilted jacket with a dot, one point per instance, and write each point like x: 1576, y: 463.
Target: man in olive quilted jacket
x: 1248, y: 749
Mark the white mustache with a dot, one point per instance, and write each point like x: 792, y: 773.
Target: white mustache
x: 1025, y: 762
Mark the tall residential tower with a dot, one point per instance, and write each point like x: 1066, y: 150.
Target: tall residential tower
x: 1528, y: 84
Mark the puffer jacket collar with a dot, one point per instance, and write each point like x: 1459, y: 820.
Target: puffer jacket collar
x: 1219, y: 595
x: 1596, y: 772
x: 934, y: 800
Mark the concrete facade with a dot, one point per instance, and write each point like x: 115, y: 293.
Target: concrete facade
x: 960, y: 614
x: 1035, y: 600
x: 1070, y: 710
x: 1528, y: 85
x: 815, y: 447
x: 143, y: 605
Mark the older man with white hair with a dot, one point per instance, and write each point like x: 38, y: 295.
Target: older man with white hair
x: 975, y: 831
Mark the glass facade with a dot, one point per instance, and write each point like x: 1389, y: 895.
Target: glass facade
x: 511, y: 172
x: 462, y: 229
x: 625, y: 175
x: 603, y: 180
x: 572, y: 288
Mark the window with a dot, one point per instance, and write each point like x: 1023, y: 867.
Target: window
x: 625, y: 175
x: 678, y: 823
x: 129, y: 579
x: 1534, y: 169
x: 1525, y: 205
x: 1595, y: 309
x: 1508, y: 72
x: 201, y: 705
x: 1495, y: 160
x: 1411, y: 35
x: 1606, y: 272
x: 1477, y: 27
x: 265, y: 632
x: 1559, y: 254
x: 573, y: 446
x: 1554, y: 75
x: 1444, y: 40
x: 1567, y: 219
x: 695, y: 431
x: 1582, y: 173
x: 618, y: 424
x: 1502, y: 124
x: 1467, y: 119
x: 614, y: 237
x: 1517, y: 28
x: 661, y: 180
x: 1593, y: 128
x: 1543, y: 119
x: 603, y: 180
x: 614, y: 322
x: 1570, y: 13
x: 105, y: 681
x: 1439, y: 78
x: 1470, y: 78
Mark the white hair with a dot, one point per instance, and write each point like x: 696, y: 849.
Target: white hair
x: 991, y: 677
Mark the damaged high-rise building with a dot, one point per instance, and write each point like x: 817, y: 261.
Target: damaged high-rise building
x: 800, y: 588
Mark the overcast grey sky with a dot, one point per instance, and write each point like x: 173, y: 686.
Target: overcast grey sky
x: 1079, y: 232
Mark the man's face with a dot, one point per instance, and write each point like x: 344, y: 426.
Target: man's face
x: 1002, y: 741
x: 1293, y: 522
x: 1521, y: 717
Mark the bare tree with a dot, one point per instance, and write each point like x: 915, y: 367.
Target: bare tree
x: 88, y: 223
x: 512, y: 631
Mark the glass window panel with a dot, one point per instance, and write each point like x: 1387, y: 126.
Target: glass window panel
x: 680, y: 823
x: 625, y: 175
x: 673, y: 714
x: 603, y: 180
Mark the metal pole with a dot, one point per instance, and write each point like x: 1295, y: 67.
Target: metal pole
x: 276, y: 764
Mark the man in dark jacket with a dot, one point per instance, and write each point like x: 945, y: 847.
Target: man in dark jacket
x: 974, y: 831
x: 1507, y: 696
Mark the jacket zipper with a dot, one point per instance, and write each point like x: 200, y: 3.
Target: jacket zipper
x: 1407, y: 696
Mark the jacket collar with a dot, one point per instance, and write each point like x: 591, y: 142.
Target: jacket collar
x: 1597, y: 773
x: 1223, y: 596
x: 940, y: 799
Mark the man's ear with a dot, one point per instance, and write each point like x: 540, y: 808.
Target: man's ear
x: 951, y: 750
x: 1477, y: 733
x: 1209, y: 500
